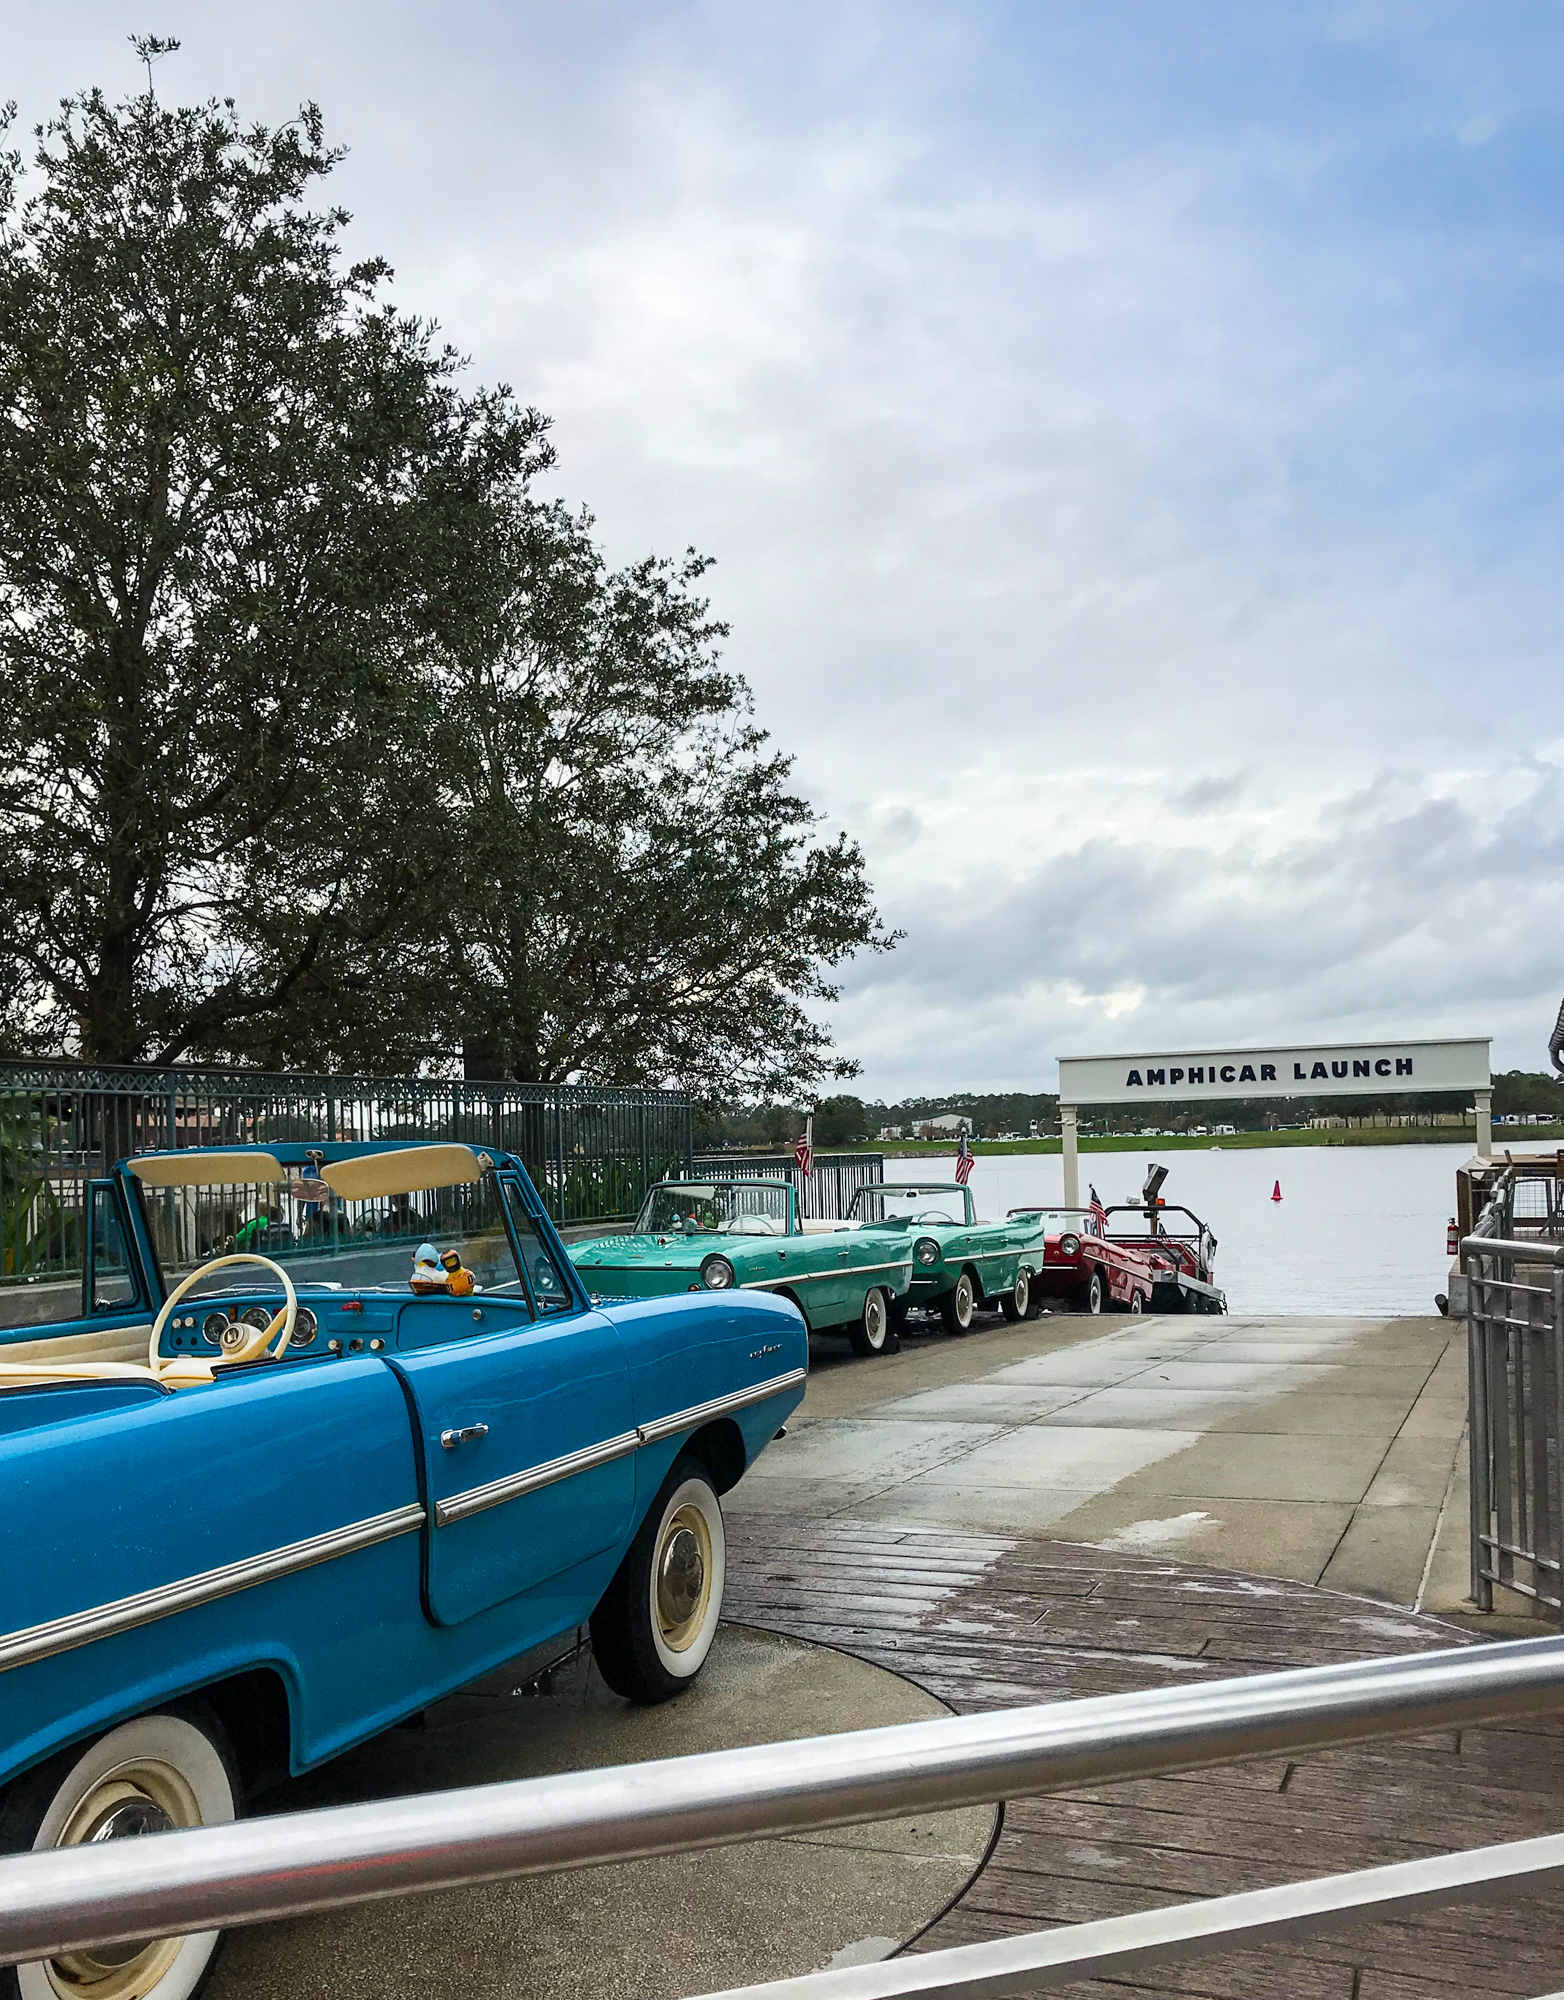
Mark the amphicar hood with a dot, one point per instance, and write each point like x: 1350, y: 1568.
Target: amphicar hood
x: 638, y: 1252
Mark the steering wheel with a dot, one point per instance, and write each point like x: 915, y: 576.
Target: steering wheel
x: 260, y: 1339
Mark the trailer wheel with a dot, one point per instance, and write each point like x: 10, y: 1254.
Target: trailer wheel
x: 1016, y: 1303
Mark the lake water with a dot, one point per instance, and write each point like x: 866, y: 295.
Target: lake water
x: 1359, y: 1229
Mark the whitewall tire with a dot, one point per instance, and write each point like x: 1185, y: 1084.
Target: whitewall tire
x: 657, y: 1620
x: 146, y: 1776
x: 872, y: 1333
x: 957, y: 1306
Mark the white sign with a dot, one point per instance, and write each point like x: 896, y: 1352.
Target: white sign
x: 1337, y: 1069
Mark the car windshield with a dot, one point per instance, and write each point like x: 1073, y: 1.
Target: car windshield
x: 716, y: 1208
x: 319, y: 1238
x: 1055, y: 1221
x: 909, y: 1204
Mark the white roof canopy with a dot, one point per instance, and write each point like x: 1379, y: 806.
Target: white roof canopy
x: 406, y: 1170
x: 208, y: 1169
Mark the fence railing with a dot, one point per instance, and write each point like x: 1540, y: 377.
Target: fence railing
x: 1515, y: 1389
x: 592, y: 1153
x: 825, y: 1194
x: 77, y: 1898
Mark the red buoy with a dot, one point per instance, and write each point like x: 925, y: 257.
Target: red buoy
x: 1276, y: 1192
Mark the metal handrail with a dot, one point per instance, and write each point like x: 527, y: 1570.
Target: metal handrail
x: 71, y: 1898
x: 1531, y: 1249
x: 1061, y: 1956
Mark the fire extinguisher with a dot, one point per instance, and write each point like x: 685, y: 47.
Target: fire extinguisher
x: 1452, y: 1238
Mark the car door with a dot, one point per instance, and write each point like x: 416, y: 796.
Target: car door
x: 525, y: 1429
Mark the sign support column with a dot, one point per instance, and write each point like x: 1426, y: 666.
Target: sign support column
x: 1485, y: 1124
x: 1072, y: 1161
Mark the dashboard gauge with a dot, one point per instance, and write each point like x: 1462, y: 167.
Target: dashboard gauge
x: 212, y: 1328
x: 305, y: 1327
x: 256, y: 1316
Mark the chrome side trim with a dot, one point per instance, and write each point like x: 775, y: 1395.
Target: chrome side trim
x: 105, y: 1621
x: 514, y: 1484
x: 721, y: 1406
x: 814, y: 1277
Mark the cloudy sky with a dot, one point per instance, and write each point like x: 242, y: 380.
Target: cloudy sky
x: 1129, y: 436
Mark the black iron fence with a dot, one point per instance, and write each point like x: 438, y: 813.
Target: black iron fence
x: 591, y: 1153
x: 825, y: 1194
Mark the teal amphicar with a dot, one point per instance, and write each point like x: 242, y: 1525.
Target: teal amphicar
x: 724, y: 1235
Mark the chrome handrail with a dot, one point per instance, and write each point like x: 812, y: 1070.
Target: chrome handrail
x: 1530, y: 1249
x: 68, y: 1899
x: 1070, y: 1952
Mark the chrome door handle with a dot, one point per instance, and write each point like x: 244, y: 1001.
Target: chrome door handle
x: 449, y: 1440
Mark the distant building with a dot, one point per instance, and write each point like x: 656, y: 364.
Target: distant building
x: 952, y: 1122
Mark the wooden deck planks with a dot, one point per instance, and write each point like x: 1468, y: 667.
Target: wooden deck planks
x: 983, y: 1623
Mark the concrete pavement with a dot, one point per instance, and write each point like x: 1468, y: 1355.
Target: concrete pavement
x: 646, y: 1930
x: 1324, y: 1450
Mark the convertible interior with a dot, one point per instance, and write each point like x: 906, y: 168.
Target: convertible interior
x: 131, y: 1353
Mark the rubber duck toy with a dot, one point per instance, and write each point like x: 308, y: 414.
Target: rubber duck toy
x: 459, y: 1280
x: 429, y: 1274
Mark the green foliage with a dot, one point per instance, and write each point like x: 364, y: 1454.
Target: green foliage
x: 1521, y: 1091
x: 637, y: 893
x: 38, y: 1232
x: 842, y: 1121
x: 329, y: 747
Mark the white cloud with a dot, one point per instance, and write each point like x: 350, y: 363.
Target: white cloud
x: 1129, y: 444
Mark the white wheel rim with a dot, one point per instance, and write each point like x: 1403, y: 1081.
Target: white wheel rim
x: 689, y: 1566
x: 156, y: 1772
x: 874, y: 1319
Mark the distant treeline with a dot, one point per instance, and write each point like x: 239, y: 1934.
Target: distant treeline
x: 846, y: 1120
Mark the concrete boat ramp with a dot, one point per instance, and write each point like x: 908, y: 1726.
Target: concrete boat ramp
x: 1053, y: 1509
x: 1323, y: 1450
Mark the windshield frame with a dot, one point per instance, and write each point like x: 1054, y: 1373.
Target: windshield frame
x: 880, y: 1189
x: 714, y: 1189
x: 1076, y: 1221
x: 243, y: 1280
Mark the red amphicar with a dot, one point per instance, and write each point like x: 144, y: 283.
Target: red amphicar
x: 1145, y: 1256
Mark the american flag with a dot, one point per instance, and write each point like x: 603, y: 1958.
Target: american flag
x: 1099, y: 1213
x: 964, y: 1161
x: 804, y: 1151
